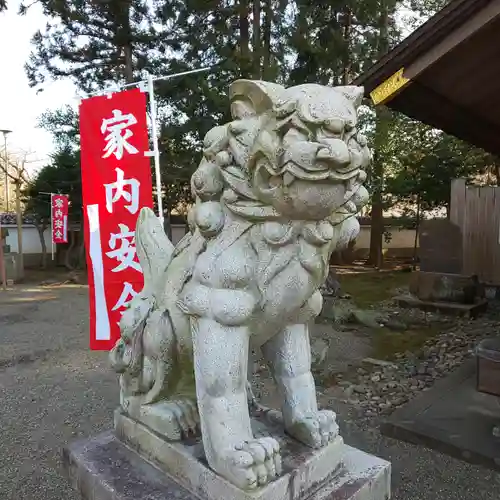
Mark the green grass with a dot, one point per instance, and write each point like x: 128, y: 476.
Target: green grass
x: 370, y: 288
x: 387, y: 343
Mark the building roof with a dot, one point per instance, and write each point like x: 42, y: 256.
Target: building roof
x: 452, y: 64
x: 9, y: 219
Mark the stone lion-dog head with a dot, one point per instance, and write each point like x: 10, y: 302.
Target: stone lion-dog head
x: 291, y: 153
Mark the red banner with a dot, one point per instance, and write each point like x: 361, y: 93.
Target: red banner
x: 116, y: 184
x: 59, y: 210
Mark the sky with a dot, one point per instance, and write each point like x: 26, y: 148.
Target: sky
x: 20, y: 105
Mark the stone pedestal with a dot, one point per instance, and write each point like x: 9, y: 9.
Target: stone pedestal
x: 441, y: 246
x: 10, y: 260
x: 136, y: 463
x: 441, y: 287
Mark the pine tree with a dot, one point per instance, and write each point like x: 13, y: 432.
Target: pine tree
x: 239, y: 38
x: 96, y: 44
x: 335, y: 41
x: 221, y: 34
x: 288, y: 41
x: 383, y: 118
x: 93, y: 43
x: 60, y: 175
x: 386, y: 38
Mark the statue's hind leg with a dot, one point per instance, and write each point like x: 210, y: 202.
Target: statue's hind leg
x: 289, y: 357
x: 166, y: 399
x: 221, y: 357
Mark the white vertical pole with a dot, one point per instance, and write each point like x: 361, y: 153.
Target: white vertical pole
x: 51, y: 226
x: 156, y: 152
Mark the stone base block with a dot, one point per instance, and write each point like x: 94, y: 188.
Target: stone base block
x: 446, y: 308
x: 103, y: 468
x: 444, y: 287
x: 304, y: 469
x: 10, y: 260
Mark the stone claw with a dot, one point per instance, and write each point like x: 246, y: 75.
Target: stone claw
x: 316, y: 430
x: 186, y: 415
x: 253, y: 463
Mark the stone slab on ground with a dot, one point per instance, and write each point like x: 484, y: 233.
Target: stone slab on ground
x: 453, y: 418
x: 447, y: 308
x: 102, y: 468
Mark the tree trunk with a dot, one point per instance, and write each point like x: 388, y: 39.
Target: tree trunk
x: 81, y: 264
x: 246, y: 62
x: 19, y: 223
x: 267, y: 70
x: 417, y: 228
x: 67, y: 257
x: 41, y: 228
x: 346, y: 70
x: 129, y: 64
x: 383, y: 118
x: 257, y: 52
x: 124, y: 38
x: 496, y: 166
x: 3, y: 275
x: 376, y: 256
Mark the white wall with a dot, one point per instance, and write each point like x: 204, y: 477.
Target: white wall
x: 31, y: 240
x: 400, y: 238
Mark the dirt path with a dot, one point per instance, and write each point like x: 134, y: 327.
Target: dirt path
x: 53, y: 389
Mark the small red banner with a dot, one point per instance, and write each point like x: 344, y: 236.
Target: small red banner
x: 59, y: 210
x: 116, y: 184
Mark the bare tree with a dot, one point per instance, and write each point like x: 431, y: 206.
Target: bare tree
x: 15, y: 169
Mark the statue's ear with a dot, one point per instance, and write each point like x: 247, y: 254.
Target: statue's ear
x: 253, y: 97
x: 353, y: 93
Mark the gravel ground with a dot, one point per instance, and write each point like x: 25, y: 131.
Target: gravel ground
x: 53, y: 389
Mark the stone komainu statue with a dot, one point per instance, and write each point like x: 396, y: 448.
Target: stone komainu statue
x: 276, y: 193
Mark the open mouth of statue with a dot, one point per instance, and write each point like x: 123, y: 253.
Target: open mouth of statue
x: 318, y: 174
x: 320, y: 171
x: 313, y: 161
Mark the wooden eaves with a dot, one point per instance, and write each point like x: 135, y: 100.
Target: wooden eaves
x: 447, y: 73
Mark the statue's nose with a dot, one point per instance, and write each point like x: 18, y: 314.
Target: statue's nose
x: 334, y: 151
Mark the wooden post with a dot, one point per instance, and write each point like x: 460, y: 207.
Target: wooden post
x: 458, y: 208
x: 457, y: 202
x: 19, y: 223
x: 2, y: 261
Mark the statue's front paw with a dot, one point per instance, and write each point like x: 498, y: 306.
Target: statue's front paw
x: 185, y: 413
x: 316, y: 430
x: 252, y: 464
